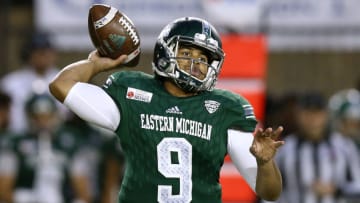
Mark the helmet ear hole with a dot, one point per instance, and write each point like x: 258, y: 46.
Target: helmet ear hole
x: 163, y: 64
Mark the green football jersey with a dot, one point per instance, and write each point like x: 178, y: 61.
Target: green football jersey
x: 5, y: 140
x: 27, y: 149
x: 174, y: 147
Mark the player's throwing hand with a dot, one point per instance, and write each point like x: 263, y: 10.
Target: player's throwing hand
x: 105, y: 63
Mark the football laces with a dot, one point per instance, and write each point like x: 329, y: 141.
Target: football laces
x: 129, y: 28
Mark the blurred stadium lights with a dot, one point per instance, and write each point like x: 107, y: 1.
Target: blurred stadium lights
x: 289, y: 24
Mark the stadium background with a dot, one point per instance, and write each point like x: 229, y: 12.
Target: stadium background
x: 300, y: 45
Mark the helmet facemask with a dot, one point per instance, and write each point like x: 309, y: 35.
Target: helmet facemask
x: 169, y: 67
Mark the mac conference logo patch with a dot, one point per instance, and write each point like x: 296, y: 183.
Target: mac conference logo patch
x: 211, y: 106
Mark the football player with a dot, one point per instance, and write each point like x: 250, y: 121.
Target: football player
x: 39, y: 165
x: 175, y: 128
x: 344, y: 108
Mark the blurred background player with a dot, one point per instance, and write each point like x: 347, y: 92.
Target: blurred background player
x: 104, y: 160
x: 317, y: 163
x: 5, y: 137
x: 39, y: 57
x: 42, y: 168
x: 344, y: 107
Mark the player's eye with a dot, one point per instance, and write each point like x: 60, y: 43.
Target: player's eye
x: 185, y: 53
x: 203, y: 59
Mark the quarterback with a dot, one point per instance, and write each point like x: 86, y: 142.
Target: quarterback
x: 175, y: 128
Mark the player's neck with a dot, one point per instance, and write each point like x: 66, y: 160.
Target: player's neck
x: 176, y: 91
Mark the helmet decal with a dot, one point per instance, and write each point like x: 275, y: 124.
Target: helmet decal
x: 206, y: 29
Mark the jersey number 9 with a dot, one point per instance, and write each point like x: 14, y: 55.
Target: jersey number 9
x: 181, y: 170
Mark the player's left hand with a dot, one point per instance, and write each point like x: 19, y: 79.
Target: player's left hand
x: 265, y: 144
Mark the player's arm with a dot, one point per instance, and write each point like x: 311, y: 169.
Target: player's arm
x: 264, y: 148
x: 89, y: 102
x: 81, y: 71
x: 92, y: 104
x: 257, y: 165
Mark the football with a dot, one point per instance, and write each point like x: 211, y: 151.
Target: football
x: 113, y: 33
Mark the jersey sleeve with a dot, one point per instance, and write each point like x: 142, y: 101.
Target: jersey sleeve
x: 238, y: 147
x: 241, y: 114
x: 110, y: 85
x: 94, y: 105
x: 116, y: 86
